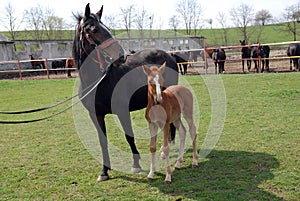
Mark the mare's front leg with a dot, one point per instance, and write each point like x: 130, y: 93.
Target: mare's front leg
x: 125, y: 121
x: 153, y: 132
x: 101, y: 129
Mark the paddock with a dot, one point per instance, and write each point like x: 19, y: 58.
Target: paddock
x: 279, y: 61
x: 19, y: 69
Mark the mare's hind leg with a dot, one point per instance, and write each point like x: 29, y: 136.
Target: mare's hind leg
x: 127, y: 127
x: 182, y: 135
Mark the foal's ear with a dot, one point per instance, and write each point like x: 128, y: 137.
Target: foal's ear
x: 87, y: 12
x: 99, y: 13
x: 162, y: 68
x: 146, y: 70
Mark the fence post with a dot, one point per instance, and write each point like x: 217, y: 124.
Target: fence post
x: 47, y: 68
x: 205, y: 60
x: 19, y: 68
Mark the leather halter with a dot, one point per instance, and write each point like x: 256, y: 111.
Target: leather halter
x: 104, y: 46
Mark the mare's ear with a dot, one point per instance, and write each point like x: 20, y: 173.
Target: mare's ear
x: 99, y: 13
x: 146, y: 70
x: 87, y: 12
x: 162, y: 68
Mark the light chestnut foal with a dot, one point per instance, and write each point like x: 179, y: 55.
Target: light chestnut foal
x: 165, y: 107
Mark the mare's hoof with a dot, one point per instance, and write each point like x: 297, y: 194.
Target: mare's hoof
x: 136, y: 170
x: 194, y: 166
x: 177, y: 168
x: 167, y: 183
x: 102, y: 178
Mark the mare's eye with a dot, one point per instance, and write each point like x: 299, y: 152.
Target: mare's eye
x: 93, y: 28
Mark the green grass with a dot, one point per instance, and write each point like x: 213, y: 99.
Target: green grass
x: 271, y: 34
x: 256, y: 157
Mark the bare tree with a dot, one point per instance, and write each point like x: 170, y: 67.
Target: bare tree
x: 190, y: 10
x: 262, y: 17
x: 151, y: 21
x: 11, y: 20
x: 242, y: 17
x: 292, y: 17
x: 128, y: 16
x: 174, y: 23
x: 222, y: 19
x: 111, y: 21
x: 160, y: 24
x: 34, y: 19
x: 141, y: 20
x: 52, y: 24
x: 210, y: 22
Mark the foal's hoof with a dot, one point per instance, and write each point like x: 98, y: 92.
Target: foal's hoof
x: 194, y: 166
x: 167, y: 183
x: 150, y: 179
x: 136, y: 170
x: 102, y: 178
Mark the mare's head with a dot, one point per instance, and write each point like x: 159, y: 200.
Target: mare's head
x: 155, y: 81
x: 91, y: 34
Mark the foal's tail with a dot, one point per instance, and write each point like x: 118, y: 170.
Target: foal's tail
x: 172, y: 133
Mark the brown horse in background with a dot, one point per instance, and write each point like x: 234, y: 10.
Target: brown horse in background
x: 69, y: 64
x: 165, y: 107
x: 36, y: 62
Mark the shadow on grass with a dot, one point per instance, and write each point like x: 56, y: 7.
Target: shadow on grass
x: 224, y: 175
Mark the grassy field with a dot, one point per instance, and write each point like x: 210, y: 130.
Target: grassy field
x: 270, y: 34
x: 256, y: 157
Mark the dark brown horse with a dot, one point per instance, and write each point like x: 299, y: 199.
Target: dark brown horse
x: 219, y: 56
x: 293, y: 51
x: 261, y: 52
x: 246, y: 55
x: 36, y: 62
x: 121, y: 84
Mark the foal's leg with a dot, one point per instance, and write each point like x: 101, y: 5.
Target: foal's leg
x: 101, y: 129
x: 153, y: 132
x: 193, y: 133
x: 127, y: 127
x: 165, y: 149
x: 188, y: 115
x: 182, y: 134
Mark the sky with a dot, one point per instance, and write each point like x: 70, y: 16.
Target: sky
x: 162, y: 9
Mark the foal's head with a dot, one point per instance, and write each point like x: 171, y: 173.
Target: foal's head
x: 155, y: 81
